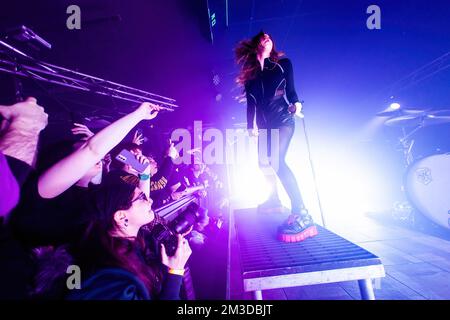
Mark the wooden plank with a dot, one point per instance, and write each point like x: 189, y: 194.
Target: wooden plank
x: 442, y: 264
x: 384, y: 231
x: 388, y: 254
x: 386, y: 288
x: 351, y: 234
x: 435, y: 242
x: 331, y: 291
x: 274, y: 294
x: 428, y: 280
x: 365, y: 229
x: 418, y: 249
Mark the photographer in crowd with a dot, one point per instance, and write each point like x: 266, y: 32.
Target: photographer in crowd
x: 113, y: 255
x: 51, y: 209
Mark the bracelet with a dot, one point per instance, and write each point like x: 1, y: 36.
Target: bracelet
x: 144, y: 177
x: 179, y: 272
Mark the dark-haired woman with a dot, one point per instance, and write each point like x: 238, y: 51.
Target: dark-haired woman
x: 269, y: 87
x: 112, y: 256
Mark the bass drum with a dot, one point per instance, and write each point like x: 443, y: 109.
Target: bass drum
x: 428, y: 187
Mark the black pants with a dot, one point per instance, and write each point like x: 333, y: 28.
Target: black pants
x: 273, y: 145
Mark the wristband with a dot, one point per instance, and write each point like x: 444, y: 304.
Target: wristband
x: 179, y: 272
x: 144, y: 176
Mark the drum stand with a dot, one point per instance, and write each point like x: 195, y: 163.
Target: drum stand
x: 407, y: 144
x: 402, y: 210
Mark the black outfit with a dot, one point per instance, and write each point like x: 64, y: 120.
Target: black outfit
x: 159, y: 189
x: 37, y: 222
x: 16, y: 267
x: 269, y: 95
x: 57, y: 221
x: 43, y: 222
x: 120, y: 284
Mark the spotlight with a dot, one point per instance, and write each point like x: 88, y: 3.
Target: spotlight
x: 395, y: 106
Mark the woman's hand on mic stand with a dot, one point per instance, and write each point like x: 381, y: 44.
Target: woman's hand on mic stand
x: 297, y: 109
x: 253, y: 132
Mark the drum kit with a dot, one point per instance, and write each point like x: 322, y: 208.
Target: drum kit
x: 425, y: 143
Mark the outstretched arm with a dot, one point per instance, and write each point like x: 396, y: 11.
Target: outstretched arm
x: 69, y: 170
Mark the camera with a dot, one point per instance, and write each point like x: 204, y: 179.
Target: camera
x: 167, y: 233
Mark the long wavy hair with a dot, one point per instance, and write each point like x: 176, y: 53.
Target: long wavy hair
x: 99, y: 249
x: 246, y: 57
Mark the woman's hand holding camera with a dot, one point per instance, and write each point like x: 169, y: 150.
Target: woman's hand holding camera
x: 181, y: 256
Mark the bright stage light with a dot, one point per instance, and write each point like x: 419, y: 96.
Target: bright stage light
x: 248, y: 185
x: 351, y: 181
x: 395, y: 106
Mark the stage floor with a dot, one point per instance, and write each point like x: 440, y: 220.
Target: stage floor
x: 417, y: 266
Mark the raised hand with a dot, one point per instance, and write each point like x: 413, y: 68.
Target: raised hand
x: 138, y: 138
x: 148, y: 111
x: 177, y: 195
x: 142, y: 159
x: 81, y: 129
x: 26, y: 116
x: 172, y: 151
x: 107, y: 162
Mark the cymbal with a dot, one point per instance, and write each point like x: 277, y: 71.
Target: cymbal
x: 432, y: 118
x: 440, y: 113
x: 400, y: 112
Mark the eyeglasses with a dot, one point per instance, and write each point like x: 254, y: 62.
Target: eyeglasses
x: 141, y: 196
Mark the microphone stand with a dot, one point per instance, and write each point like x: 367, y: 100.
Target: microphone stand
x: 308, y: 147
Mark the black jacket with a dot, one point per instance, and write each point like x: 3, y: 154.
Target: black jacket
x: 270, y: 93
x: 119, y: 284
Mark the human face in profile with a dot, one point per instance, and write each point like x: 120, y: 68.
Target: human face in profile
x: 265, y: 44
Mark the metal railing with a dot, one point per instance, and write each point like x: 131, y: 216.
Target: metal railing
x: 16, y: 62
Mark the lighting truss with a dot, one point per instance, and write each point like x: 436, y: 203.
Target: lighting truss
x: 16, y: 62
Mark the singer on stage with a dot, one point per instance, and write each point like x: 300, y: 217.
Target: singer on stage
x: 269, y: 87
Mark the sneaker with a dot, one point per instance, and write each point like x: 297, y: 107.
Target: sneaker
x: 297, y: 228
x: 271, y: 206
